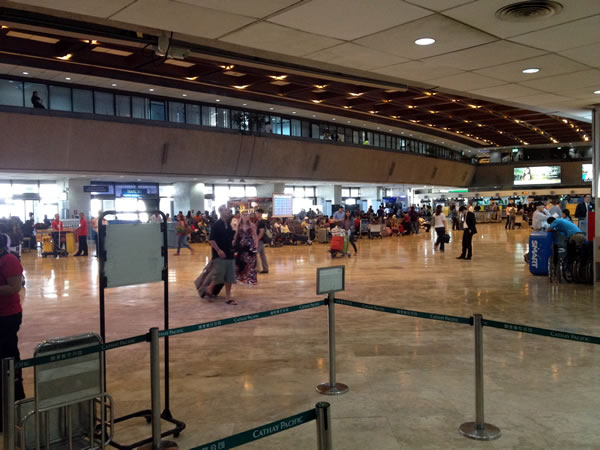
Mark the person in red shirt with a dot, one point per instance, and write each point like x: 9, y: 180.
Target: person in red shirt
x: 82, y: 232
x: 11, y: 314
x: 57, y: 227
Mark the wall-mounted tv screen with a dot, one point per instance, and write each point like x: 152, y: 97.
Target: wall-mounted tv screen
x: 537, y: 175
x: 586, y: 172
x: 282, y: 205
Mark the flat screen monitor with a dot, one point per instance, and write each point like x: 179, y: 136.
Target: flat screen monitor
x: 537, y: 175
x: 282, y: 205
x: 586, y: 172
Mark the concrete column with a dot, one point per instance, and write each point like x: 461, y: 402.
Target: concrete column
x: 267, y: 190
x: 197, y: 197
x: 181, y: 197
x: 77, y: 200
x: 337, y: 194
x: 595, y: 182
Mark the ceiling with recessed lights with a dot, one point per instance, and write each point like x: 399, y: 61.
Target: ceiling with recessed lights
x: 461, y: 83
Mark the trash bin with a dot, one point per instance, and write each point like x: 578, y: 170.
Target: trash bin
x: 540, y: 252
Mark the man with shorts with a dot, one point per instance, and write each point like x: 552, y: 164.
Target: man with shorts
x: 221, y: 241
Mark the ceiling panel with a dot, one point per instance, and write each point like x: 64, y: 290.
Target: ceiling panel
x: 349, y: 19
x: 565, y: 82
x: 254, y: 8
x: 466, y: 81
x: 588, y: 54
x: 418, y: 71
x: 549, y: 65
x: 542, y: 99
x: 276, y: 38
x: 569, y: 35
x: 438, y: 5
x: 506, y: 91
x: 104, y: 8
x: 499, y: 52
x: 181, y: 17
x: 449, y: 34
x: 357, y: 56
x: 481, y: 15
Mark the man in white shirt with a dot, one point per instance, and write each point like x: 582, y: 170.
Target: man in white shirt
x: 539, y: 217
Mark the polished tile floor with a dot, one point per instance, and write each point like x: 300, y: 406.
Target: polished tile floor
x: 411, y: 381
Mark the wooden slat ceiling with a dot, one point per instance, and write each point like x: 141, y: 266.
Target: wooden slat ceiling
x: 473, y: 122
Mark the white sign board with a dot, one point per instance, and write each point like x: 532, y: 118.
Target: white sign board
x: 282, y: 205
x: 330, y: 279
x: 133, y: 254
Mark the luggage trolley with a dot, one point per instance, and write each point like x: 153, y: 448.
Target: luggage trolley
x: 70, y: 409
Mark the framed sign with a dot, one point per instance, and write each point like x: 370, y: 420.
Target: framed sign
x: 331, y: 279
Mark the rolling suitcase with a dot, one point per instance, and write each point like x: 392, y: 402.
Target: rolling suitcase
x: 204, y: 280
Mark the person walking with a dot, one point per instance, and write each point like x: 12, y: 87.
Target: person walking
x: 246, y: 243
x: 454, y: 217
x: 182, y: 233
x: 439, y: 224
x: 349, y: 227
x: 82, y: 232
x: 261, y: 235
x: 414, y: 220
x: 221, y: 241
x: 11, y: 313
x: 469, y: 225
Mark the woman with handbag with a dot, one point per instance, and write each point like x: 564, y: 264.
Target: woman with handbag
x: 439, y: 223
x: 182, y: 229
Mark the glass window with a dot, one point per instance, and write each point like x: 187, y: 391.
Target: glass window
x: 299, y: 192
x: 309, y: 191
x: 285, y: 127
x: 296, y: 128
x: 236, y: 119
x: 275, y: 124
x: 138, y: 106
x: 289, y: 190
x: 369, y: 138
x: 354, y: 192
x: 348, y: 137
x: 345, y: 192
x: 222, y: 117
x: 237, y: 191
x: 209, y: 116
x: 157, y: 110
x: 305, y: 129
x: 315, y: 131
x: 192, y: 114
x: 355, y: 137
x: 11, y: 93
x: 176, y: 112
x: 60, y: 98
x: 251, y: 191
x: 324, y: 131
x: 340, y: 134
x: 42, y: 91
x: 104, y: 103
x: 375, y: 140
x: 123, y: 104
x: 389, y: 141
x: 83, y: 101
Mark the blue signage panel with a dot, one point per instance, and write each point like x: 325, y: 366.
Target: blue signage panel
x: 134, y: 193
x: 95, y: 188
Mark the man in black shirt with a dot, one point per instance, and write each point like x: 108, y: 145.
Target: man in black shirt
x: 261, y: 231
x: 221, y: 241
x: 36, y: 101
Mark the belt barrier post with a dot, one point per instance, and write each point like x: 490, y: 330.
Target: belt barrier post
x: 479, y: 429
x: 155, y: 387
x: 8, y: 402
x: 323, y: 426
x: 332, y: 388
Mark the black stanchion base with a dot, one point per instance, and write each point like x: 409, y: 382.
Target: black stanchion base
x: 147, y: 414
x: 486, y: 432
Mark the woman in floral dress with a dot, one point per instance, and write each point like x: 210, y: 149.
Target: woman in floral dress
x: 246, y: 243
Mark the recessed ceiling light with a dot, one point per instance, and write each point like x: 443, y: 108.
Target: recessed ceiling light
x: 271, y: 109
x: 597, y: 92
x: 293, y: 112
x: 68, y: 78
x: 65, y: 57
x: 314, y: 115
x: 333, y: 118
x: 151, y: 89
x: 531, y: 70
x: 217, y: 100
x: 114, y: 85
x: 244, y: 104
x: 348, y: 121
x: 425, y: 41
x: 25, y: 73
x: 184, y: 95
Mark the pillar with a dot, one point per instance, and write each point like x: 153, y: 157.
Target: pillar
x: 77, y: 200
x: 595, y: 182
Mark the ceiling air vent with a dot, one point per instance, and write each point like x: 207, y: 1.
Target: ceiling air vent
x: 529, y: 11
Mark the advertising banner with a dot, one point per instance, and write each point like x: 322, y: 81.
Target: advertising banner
x: 537, y: 175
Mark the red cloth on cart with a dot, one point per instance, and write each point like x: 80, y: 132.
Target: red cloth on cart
x: 337, y: 243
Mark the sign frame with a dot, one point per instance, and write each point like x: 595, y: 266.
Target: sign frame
x: 320, y: 270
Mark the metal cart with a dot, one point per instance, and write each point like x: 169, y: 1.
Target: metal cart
x: 70, y: 409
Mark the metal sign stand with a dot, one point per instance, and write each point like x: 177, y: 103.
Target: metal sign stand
x: 331, y: 280
x: 147, y: 413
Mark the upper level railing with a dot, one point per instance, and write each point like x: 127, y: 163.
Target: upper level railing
x: 80, y: 99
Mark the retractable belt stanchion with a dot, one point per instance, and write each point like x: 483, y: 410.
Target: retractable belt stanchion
x: 332, y: 388
x: 479, y: 429
x: 323, y: 426
x: 155, y: 387
x: 8, y: 402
